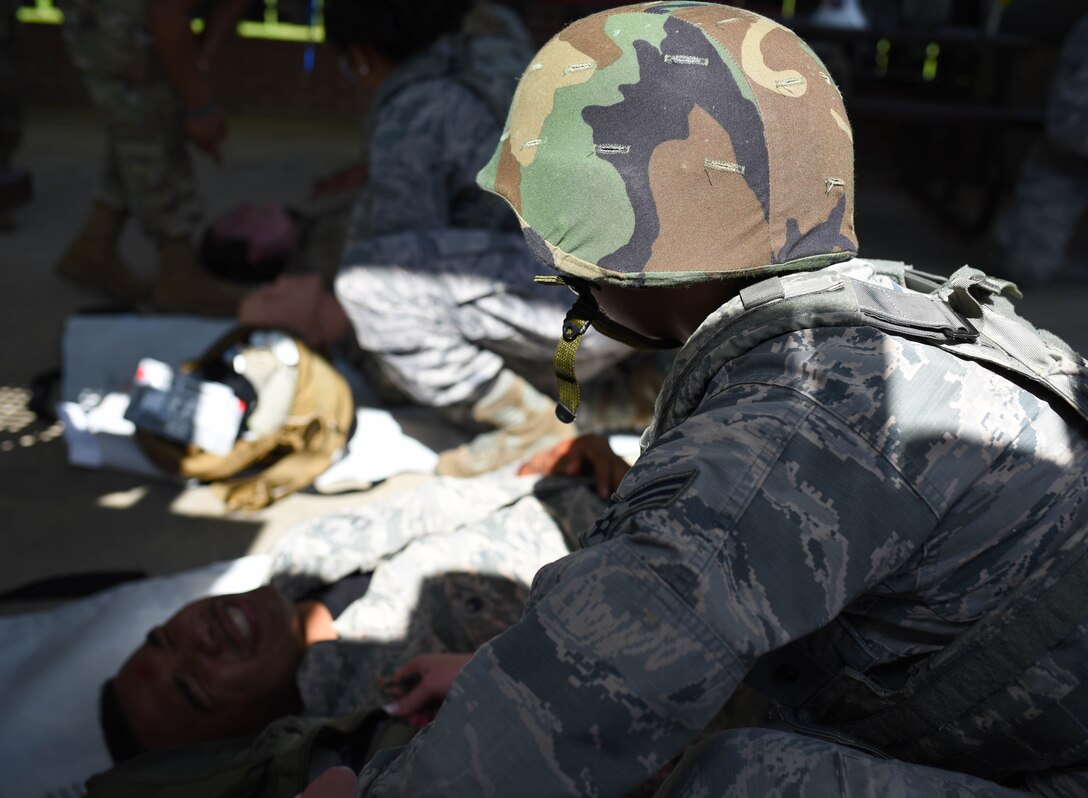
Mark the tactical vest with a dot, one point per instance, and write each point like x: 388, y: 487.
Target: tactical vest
x: 1010, y: 695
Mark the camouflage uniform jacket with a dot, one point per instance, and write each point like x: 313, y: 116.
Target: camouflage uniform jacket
x: 451, y: 562
x: 431, y: 127
x: 877, y: 493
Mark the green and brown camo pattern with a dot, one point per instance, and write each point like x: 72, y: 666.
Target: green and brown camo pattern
x: 677, y: 142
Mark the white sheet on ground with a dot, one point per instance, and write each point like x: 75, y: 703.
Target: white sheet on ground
x: 53, y: 663
x: 378, y: 449
x: 101, y: 352
x: 625, y: 446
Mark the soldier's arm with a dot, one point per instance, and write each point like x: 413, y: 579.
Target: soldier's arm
x: 737, y: 533
x: 169, y: 23
x: 417, y: 144
x: 221, y: 21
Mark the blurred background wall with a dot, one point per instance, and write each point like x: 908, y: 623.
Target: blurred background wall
x: 944, y: 94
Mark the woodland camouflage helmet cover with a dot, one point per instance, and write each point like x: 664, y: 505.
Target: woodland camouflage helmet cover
x: 678, y: 142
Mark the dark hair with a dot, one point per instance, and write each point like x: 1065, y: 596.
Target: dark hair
x: 393, y: 28
x: 229, y: 258
x: 120, y: 738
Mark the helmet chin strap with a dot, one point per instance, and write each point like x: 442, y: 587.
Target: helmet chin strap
x: 585, y: 313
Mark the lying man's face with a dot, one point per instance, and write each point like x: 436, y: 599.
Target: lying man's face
x: 268, y: 230
x: 221, y: 667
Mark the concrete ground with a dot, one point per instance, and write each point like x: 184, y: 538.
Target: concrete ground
x: 57, y: 519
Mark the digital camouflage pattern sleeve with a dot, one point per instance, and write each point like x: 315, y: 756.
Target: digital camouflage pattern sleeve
x: 429, y: 141
x: 842, y: 475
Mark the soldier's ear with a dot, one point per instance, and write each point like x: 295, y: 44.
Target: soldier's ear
x: 360, y: 60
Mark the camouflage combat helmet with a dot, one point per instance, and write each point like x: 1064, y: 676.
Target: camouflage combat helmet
x: 677, y: 142
x: 673, y: 143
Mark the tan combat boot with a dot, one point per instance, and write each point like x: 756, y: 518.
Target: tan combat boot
x: 525, y: 423
x: 184, y: 286
x: 92, y: 260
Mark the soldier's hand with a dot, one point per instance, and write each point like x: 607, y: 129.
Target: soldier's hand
x: 587, y: 454
x: 350, y: 178
x: 208, y: 132
x: 298, y: 302
x: 422, y: 685
x: 338, y: 782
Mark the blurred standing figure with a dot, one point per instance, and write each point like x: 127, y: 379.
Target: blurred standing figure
x: 16, y: 185
x: 148, y: 75
x: 11, y: 128
x: 1051, y: 194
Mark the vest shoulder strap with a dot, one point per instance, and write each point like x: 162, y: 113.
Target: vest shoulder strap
x: 968, y: 314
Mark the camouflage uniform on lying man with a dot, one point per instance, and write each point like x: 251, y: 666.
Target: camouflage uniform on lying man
x: 447, y: 567
x: 862, y: 490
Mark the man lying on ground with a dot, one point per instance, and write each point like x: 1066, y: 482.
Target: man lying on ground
x: 438, y: 569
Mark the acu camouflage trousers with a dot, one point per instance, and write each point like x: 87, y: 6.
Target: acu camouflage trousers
x: 758, y: 762
x: 148, y: 170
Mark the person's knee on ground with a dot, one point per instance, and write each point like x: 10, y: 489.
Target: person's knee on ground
x: 524, y: 422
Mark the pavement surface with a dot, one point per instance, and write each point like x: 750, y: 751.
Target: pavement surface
x: 57, y: 519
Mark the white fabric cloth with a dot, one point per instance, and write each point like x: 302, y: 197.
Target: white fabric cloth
x: 53, y: 664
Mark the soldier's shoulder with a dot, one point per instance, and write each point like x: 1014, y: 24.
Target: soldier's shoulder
x: 433, y: 100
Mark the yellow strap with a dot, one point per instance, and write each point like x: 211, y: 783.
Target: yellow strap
x: 584, y: 313
x: 570, y: 395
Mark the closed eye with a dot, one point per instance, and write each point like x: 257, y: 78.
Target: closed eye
x: 157, y: 639
x: 188, y: 694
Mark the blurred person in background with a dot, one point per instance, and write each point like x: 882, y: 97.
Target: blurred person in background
x: 1051, y: 194
x: 435, y: 282
x: 11, y: 120
x: 149, y: 77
